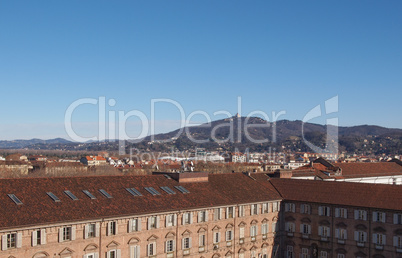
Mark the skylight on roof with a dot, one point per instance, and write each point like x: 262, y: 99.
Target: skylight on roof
x: 167, y: 176
x: 152, y: 191
x: 168, y: 190
x: 71, y: 195
x: 106, y: 194
x: 89, y: 194
x: 182, y: 189
x: 134, y: 191
x: 53, y: 196
x: 15, y: 199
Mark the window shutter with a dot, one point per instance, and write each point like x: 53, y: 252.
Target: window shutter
x: 166, y: 246
x: 34, y: 240
x: 138, y: 251
x: 287, y: 226
x: 116, y: 226
x: 365, y: 236
x: 183, y: 219
x: 189, y: 239
x: 107, y: 255
x: 346, y: 234
x: 219, y: 237
x: 130, y: 226
x: 19, y: 240
x: 395, y: 241
x: 97, y: 229
x: 395, y: 218
x: 149, y: 223
x: 356, y: 214
x: 336, y: 233
x: 149, y: 250
x: 86, y: 229
x: 320, y: 210
x: 385, y: 239
x: 108, y: 231
x: 191, y: 217
x: 43, y: 236
x: 383, y: 217
x: 157, y: 221
x: 118, y: 253
x: 182, y: 244
x: 4, y: 242
x: 227, y: 212
x: 356, y: 235
x: 96, y: 255
x: 199, y: 216
x: 301, y: 228
x: 320, y: 230
x: 258, y: 209
x: 375, y: 216
x: 220, y: 213
x: 72, y: 232
x: 365, y: 215
x: 206, y: 215
x: 337, y: 212
x: 309, y: 229
x: 302, y: 208
x: 139, y: 224
x: 60, y: 235
x: 374, y: 238
x: 293, y: 207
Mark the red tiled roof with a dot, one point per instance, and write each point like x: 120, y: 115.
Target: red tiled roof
x: 360, y: 169
x: 379, y: 196
x: 38, y: 208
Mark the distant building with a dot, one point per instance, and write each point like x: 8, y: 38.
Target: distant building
x: 93, y: 160
x: 17, y: 157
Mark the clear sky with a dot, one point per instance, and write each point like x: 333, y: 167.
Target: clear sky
x: 276, y: 55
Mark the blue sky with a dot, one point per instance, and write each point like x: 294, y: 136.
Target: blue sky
x: 276, y: 55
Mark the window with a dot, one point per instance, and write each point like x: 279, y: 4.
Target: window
x: 151, y: 249
x: 323, y: 231
x: 360, y: 236
x: 398, y: 218
x: 241, y: 232
x: 134, y: 225
x: 275, y: 206
x: 265, y: 208
x: 379, y: 216
x: 170, y: 220
x: 241, y: 211
x: 90, y: 230
x: 135, y: 251
x: 186, y: 243
x: 341, y: 233
x: 340, y: 256
x: 360, y: 215
x: 187, y: 218
x: 253, y: 231
x: 112, y: 228
x: 67, y: 233
x: 153, y: 222
x: 398, y: 242
x: 324, y: 211
x: 264, y: 228
x: 92, y: 255
x: 201, y: 240
x: 113, y: 254
x: 290, y: 227
x: 254, y: 209
x: 305, y: 208
x: 305, y: 229
x: 289, y: 251
x: 202, y: 216
x: 229, y: 235
x: 169, y: 246
x: 379, y: 239
x: 11, y: 240
x: 290, y: 207
x: 341, y: 213
x: 323, y: 254
x: 305, y: 253
x: 229, y: 212
x: 38, y: 237
x: 274, y: 227
x: 217, y: 213
x: 217, y: 237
